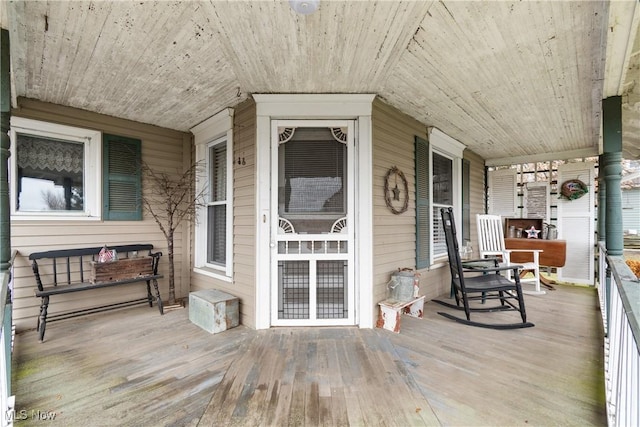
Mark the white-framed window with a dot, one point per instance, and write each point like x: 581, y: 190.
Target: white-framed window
x: 442, y: 197
x: 55, y: 171
x: 438, y: 185
x: 217, y: 202
x: 214, y: 224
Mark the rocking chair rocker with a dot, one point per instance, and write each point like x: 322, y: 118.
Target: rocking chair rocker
x: 469, y: 286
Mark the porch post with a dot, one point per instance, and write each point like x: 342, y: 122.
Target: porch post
x: 5, y: 144
x: 612, y: 170
x: 602, y: 202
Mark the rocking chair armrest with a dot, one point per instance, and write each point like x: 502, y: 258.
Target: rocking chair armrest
x: 471, y: 261
x: 480, y: 262
x: 524, y: 250
x: 505, y: 267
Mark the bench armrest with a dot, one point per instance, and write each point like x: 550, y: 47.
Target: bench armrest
x: 156, y: 260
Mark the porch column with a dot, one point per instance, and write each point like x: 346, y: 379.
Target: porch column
x: 5, y: 114
x: 602, y: 203
x: 612, y: 171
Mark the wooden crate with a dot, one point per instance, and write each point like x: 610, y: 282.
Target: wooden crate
x: 126, y: 268
x: 524, y: 224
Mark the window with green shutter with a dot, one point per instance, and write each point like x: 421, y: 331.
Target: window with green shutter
x: 122, y: 181
x: 423, y: 211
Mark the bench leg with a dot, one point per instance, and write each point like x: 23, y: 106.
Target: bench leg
x: 158, y: 299
x: 389, y: 318
x: 42, y: 320
x: 416, y: 309
x: 149, y: 296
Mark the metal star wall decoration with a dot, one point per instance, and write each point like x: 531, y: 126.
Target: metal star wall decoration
x: 396, y: 193
x: 532, y: 233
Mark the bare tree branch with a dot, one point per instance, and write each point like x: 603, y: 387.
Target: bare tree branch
x: 169, y: 200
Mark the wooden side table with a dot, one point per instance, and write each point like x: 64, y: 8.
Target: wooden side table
x: 554, y: 253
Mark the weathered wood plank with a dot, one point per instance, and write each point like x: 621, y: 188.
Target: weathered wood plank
x: 132, y: 367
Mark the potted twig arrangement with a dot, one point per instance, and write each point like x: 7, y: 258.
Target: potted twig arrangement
x: 169, y: 199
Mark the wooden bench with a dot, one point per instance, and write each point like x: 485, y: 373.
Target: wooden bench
x: 74, y: 270
x: 391, y: 311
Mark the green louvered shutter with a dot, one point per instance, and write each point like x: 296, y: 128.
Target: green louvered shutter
x: 466, y: 200
x: 122, y: 181
x: 423, y: 211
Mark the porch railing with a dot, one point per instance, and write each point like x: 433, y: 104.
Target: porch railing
x: 619, y: 293
x: 6, y: 346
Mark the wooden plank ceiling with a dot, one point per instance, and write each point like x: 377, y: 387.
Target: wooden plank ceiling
x: 507, y: 79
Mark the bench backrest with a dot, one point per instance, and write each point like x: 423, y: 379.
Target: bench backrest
x: 70, y: 265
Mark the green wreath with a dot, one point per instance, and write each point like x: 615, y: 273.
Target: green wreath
x: 573, y: 189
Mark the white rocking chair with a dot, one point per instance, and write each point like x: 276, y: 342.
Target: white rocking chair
x: 491, y: 244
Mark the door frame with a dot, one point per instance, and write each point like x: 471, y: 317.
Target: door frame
x: 316, y: 107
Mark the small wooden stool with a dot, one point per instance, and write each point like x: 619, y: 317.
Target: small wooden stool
x: 391, y: 311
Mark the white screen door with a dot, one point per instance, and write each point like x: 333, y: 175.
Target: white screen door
x: 312, y: 183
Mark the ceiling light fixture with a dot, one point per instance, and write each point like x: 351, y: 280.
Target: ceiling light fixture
x: 304, y: 7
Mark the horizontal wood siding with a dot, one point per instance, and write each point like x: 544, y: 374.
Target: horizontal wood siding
x: 394, y: 236
x: 244, y: 196
x: 162, y: 149
x: 243, y: 284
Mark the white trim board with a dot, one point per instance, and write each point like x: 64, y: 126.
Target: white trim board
x: 320, y: 107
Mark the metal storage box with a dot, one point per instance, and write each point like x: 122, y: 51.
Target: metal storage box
x: 213, y: 310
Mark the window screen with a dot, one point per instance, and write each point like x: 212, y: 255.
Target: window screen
x: 50, y: 174
x: 218, y: 165
x: 442, y: 198
x: 442, y: 180
x: 217, y: 206
x: 313, y: 179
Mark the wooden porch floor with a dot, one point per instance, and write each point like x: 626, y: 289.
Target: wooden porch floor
x: 137, y: 368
